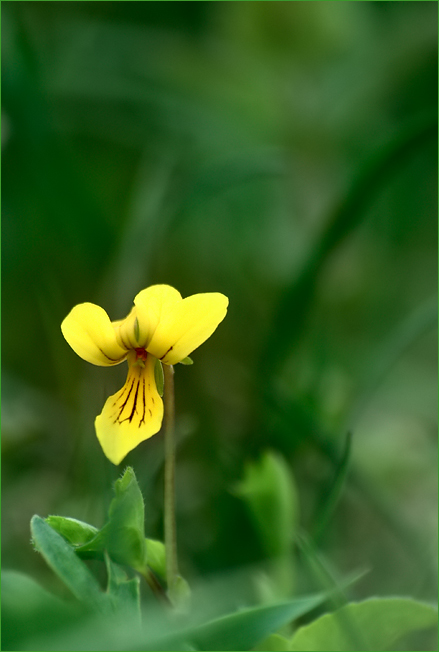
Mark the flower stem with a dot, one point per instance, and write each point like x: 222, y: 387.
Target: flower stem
x: 169, y: 501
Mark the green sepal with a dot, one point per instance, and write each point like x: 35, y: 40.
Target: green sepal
x: 180, y: 594
x: 76, y: 532
x: 136, y: 329
x: 187, y: 361
x: 159, y: 377
x: 156, y: 556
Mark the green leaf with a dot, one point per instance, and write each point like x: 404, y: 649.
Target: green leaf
x: 159, y: 377
x: 374, y: 624
x: 123, y: 536
x: 61, y: 557
x: 187, y: 361
x: 28, y: 609
x: 197, y: 630
x: 76, y: 532
x: 124, y: 592
x: 269, y: 491
x: 245, y: 629
x: 274, y: 643
x: 127, y: 506
x: 156, y: 556
x: 124, y: 544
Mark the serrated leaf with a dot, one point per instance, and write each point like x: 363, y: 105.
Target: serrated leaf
x: 375, y: 624
x: 159, y: 377
x: 76, y: 532
x: 127, y: 506
x: 61, y: 557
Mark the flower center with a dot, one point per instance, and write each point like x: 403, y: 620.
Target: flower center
x: 141, y: 354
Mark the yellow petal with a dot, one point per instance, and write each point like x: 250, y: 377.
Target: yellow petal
x: 125, y: 330
x: 151, y: 305
x: 133, y: 414
x: 186, y: 325
x: 88, y: 330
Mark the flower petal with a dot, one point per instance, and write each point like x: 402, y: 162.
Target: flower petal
x: 151, y: 304
x: 133, y: 414
x: 88, y: 330
x: 125, y: 330
x: 187, y: 324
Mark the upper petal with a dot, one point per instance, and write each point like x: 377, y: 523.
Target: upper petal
x: 125, y: 330
x: 151, y: 305
x: 88, y: 330
x: 186, y: 325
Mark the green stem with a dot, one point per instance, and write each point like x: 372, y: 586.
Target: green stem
x: 169, y: 502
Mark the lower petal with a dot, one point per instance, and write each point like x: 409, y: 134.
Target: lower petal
x: 133, y: 414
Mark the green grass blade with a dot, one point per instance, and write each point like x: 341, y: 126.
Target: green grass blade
x: 372, y: 177
x: 335, y: 491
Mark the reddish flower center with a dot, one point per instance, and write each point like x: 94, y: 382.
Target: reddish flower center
x: 141, y: 353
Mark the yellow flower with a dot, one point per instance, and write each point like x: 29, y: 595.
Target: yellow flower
x: 161, y: 326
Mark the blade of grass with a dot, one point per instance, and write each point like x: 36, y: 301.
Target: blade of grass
x: 325, y: 579
x: 374, y: 174
x: 334, y: 493
x: 406, y: 333
x: 293, y: 417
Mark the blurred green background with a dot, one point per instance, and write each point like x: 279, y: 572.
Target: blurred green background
x: 284, y: 154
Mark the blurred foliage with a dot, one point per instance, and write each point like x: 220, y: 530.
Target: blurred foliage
x: 382, y: 621
x: 284, y: 154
